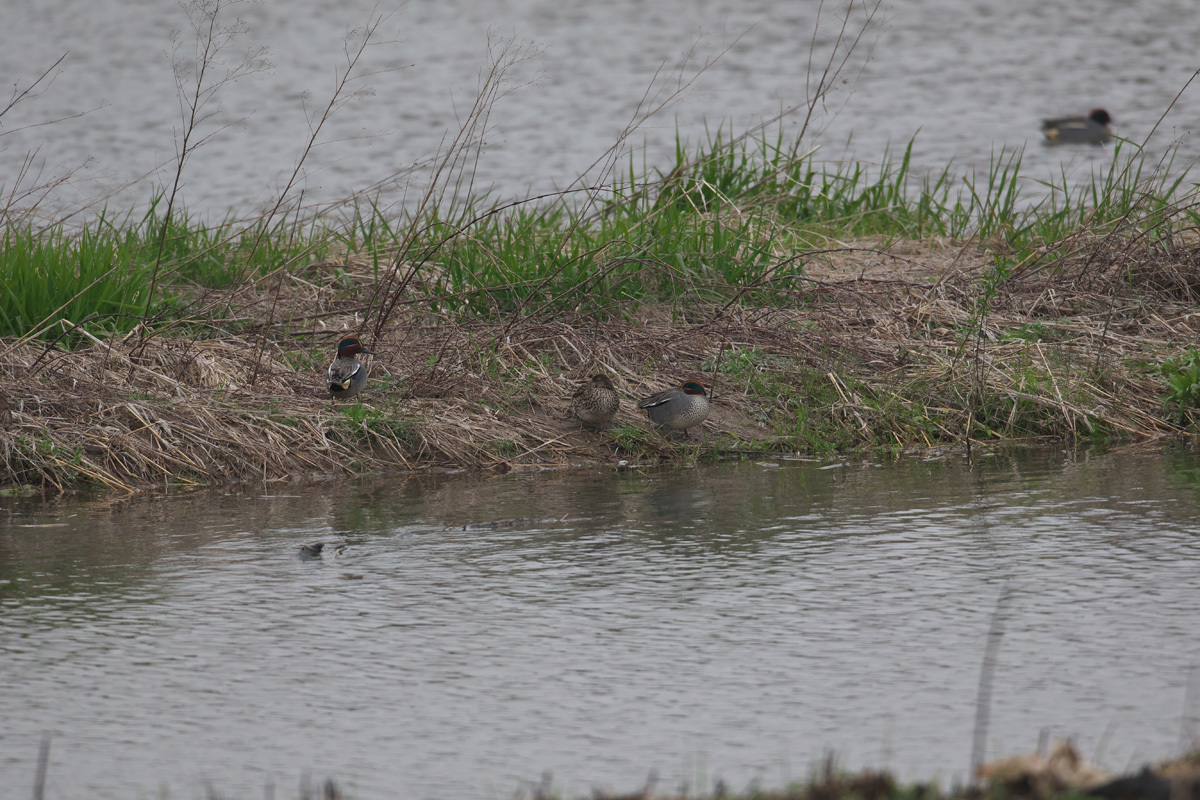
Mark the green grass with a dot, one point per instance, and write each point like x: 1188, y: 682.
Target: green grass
x: 633, y: 440
x: 367, y: 427
x: 94, y: 276
x: 726, y: 220
x: 226, y: 254
x: 1182, y: 378
x: 100, y: 276
x: 738, y: 220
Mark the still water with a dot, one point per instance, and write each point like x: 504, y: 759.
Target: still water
x: 731, y: 622
x: 967, y: 78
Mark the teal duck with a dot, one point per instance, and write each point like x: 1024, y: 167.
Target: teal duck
x: 1092, y: 129
x: 678, y: 409
x: 347, y: 375
x: 596, y: 402
x: 310, y: 551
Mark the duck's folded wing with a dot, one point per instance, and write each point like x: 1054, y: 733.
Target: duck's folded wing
x: 1069, y: 124
x: 1065, y: 122
x: 655, y: 400
x: 340, y: 373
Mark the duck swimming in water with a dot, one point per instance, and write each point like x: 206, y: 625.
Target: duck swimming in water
x: 1092, y: 129
x: 310, y: 551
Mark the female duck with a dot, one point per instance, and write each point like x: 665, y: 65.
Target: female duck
x: 678, y: 409
x: 1092, y: 129
x: 347, y: 375
x: 596, y: 402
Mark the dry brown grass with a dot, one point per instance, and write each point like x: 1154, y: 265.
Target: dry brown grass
x: 877, y: 347
x: 1061, y: 773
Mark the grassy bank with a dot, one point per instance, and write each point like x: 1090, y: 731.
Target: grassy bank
x: 1060, y: 774
x: 829, y: 307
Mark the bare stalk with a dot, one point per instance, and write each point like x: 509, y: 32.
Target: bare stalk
x: 20, y: 94
x: 652, y: 103
x: 818, y: 89
x: 342, y: 94
x: 453, y: 168
x: 197, y: 92
x: 21, y: 191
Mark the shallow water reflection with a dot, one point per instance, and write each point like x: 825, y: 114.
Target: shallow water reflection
x: 729, y: 622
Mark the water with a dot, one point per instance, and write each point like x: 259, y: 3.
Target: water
x: 731, y: 622
x: 967, y: 79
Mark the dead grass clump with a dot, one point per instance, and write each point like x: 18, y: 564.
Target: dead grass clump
x: 131, y: 413
x: 1030, y: 776
x: 1164, y: 271
x: 1063, y: 772
x: 829, y: 784
x: 1040, y: 776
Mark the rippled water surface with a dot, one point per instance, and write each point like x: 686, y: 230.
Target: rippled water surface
x: 731, y: 621
x: 968, y: 78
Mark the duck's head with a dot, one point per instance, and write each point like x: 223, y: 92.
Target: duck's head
x: 1100, y: 116
x: 602, y: 382
x: 350, y: 347
x: 693, y: 387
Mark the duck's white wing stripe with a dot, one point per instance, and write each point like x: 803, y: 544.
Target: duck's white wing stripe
x: 338, y: 378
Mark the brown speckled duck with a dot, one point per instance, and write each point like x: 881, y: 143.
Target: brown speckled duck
x: 596, y: 402
x: 678, y: 409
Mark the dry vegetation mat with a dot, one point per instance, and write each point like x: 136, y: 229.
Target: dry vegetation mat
x: 1060, y: 773
x: 877, y: 346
